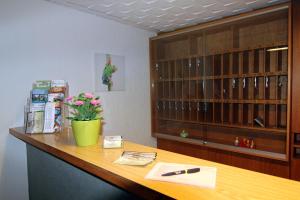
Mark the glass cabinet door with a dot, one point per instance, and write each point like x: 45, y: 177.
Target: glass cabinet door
x: 225, y: 84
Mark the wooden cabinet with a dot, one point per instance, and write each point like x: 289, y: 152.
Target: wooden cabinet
x: 223, y: 82
x: 295, y: 126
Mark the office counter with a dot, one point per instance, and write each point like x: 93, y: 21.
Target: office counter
x: 89, y: 173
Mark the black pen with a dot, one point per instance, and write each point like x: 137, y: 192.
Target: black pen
x: 185, y: 171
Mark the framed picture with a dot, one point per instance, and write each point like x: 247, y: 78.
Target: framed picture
x: 109, y: 72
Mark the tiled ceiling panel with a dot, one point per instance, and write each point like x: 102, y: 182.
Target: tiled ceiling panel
x: 165, y: 15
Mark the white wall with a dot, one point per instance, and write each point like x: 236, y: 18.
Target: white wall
x: 40, y: 40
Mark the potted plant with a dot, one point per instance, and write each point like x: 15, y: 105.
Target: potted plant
x: 85, y: 118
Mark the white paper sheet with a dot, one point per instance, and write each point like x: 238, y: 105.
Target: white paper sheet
x: 205, y: 178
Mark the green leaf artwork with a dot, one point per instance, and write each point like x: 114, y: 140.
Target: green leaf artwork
x: 108, y: 71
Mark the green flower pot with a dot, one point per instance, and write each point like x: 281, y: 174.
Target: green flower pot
x: 86, y: 133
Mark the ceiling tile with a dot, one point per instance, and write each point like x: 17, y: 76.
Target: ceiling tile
x: 165, y: 15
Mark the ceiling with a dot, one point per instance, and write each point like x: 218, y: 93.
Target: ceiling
x: 165, y: 15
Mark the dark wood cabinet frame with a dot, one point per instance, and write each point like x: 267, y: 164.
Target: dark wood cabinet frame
x: 189, y: 81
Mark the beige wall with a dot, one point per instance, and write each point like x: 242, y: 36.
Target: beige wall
x: 41, y: 40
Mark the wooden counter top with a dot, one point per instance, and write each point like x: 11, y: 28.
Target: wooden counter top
x: 232, y: 183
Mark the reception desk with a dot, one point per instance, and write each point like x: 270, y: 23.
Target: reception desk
x: 89, y: 173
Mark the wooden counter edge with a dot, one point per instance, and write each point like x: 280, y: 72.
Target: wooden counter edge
x: 114, y: 179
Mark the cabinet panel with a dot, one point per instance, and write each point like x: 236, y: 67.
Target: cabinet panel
x: 254, y: 163
x: 295, y: 94
x: 259, y: 60
x: 226, y: 59
x: 270, y: 87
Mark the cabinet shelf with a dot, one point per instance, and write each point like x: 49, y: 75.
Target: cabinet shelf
x: 296, y: 145
x: 242, y: 101
x: 227, y: 51
x: 267, y: 130
x: 253, y: 152
x: 252, y: 75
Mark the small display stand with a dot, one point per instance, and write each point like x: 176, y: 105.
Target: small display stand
x: 45, y: 111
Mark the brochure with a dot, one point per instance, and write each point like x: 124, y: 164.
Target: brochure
x: 49, y: 118
x: 136, y: 158
x: 35, y: 122
x: 42, y: 84
x: 39, y: 96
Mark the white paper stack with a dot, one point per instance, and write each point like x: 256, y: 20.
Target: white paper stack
x: 136, y: 158
x: 205, y: 178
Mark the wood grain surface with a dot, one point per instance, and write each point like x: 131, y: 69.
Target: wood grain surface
x: 232, y: 183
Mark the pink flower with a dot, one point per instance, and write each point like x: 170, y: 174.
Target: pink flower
x: 95, y: 102
x: 88, y: 95
x: 79, y: 103
x: 69, y: 98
